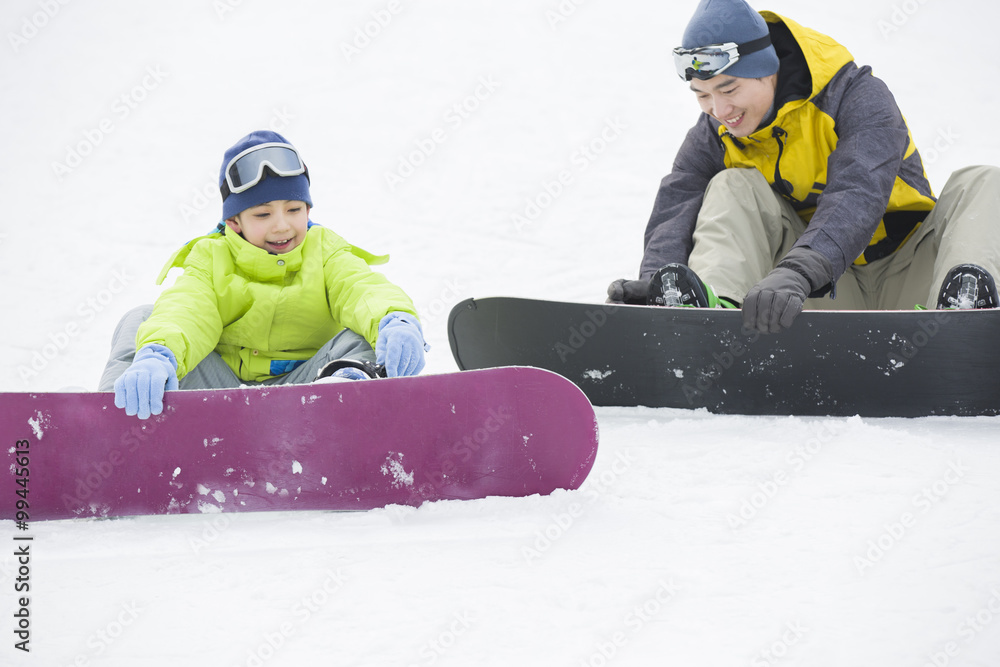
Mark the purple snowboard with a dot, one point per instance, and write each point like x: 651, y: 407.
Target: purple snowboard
x: 513, y: 431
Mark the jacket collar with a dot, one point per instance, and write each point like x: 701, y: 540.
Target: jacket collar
x: 259, y: 263
x: 823, y: 55
x: 247, y: 256
x: 809, y: 60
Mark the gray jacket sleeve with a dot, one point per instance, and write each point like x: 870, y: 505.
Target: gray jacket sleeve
x: 671, y: 225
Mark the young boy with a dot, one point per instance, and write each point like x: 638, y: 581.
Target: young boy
x: 268, y: 298
x: 801, y: 179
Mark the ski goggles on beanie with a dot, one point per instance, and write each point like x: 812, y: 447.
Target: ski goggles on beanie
x: 704, y: 62
x: 247, y: 169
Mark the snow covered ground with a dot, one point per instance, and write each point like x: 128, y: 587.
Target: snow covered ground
x: 494, y: 148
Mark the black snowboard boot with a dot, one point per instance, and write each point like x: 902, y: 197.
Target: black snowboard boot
x: 351, y: 369
x: 968, y: 286
x: 678, y: 285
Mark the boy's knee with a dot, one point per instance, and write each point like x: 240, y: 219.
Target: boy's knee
x: 145, y: 310
x: 132, y: 320
x: 347, y: 343
x: 138, y: 314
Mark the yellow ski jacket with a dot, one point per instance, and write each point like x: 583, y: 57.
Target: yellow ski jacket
x: 837, y: 148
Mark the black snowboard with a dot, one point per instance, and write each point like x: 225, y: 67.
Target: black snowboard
x: 869, y: 363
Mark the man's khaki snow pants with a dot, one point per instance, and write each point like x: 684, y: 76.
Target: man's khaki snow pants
x: 744, y: 229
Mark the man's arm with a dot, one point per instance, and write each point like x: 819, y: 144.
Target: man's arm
x: 872, y: 141
x: 671, y: 225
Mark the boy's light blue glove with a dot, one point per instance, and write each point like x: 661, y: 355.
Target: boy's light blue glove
x: 140, y: 388
x: 400, y: 346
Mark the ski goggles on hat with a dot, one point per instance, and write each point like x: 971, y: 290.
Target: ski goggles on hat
x: 704, y: 62
x: 247, y: 169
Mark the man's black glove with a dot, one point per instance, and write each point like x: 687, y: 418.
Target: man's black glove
x: 635, y: 292
x: 773, y: 304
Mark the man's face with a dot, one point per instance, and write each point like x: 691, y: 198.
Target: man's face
x: 739, y: 104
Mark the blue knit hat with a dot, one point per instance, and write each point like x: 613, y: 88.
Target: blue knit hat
x: 720, y: 21
x: 270, y: 188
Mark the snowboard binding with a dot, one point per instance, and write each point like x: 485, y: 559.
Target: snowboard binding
x: 968, y: 286
x: 369, y: 369
x: 677, y: 285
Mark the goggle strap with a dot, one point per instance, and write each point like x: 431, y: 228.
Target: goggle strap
x: 755, y: 45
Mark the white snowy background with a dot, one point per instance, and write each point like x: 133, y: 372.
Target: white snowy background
x: 698, y: 539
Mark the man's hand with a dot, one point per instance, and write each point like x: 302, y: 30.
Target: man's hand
x: 773, y: 304
x: 635, y: 292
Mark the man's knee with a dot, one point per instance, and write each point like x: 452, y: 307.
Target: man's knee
x: 744, y: 189
x: 739, y: 178
x: 982, y: 175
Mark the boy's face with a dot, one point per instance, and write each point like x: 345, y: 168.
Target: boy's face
x: 739, y: 104
x: 278, y: 226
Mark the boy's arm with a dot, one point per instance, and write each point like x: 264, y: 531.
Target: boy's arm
x: 369, y: 304
x: 185, y: 319
x: 359, y: 297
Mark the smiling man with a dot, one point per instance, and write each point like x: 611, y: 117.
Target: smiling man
x: 800, y: 180
x: 739, y: 104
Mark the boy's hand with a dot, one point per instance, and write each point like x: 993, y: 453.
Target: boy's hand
x: 140, y: 388
x: 400, y: 345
